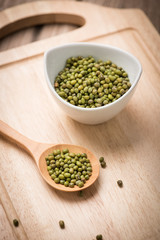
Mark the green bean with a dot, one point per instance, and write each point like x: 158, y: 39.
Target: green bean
x: 69, y: 169
x: 120, y: 183
x: 84, y: 82
x: 15, y: 222
x: 61, y: 224
x: 99, y: 237
x: 102, y: 162
x: 101, y: 159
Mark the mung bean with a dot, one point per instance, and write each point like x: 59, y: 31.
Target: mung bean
x: 61, y: 224
x: 99, y: 237
x: 102, y: 162
x: 68, y: 169
x: 120, y: 183
x: 88, y: 83
x: 15, y: 223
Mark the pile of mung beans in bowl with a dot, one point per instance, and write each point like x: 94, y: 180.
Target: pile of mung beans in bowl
x: 91, y: 82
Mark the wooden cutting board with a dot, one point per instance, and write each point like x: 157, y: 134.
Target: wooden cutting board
x: 130, y: 142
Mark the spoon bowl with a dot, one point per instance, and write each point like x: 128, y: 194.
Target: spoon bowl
x: 41, y: 150
x: 75, y: 149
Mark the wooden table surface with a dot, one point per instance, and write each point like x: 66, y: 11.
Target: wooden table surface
x: 130, y: 142
x: 150, y: 7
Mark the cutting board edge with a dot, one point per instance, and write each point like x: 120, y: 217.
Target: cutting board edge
x: 146, y: 30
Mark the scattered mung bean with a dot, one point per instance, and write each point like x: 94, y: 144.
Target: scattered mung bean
x: 15, y: 223
x: 99, y: 237
x: 102, y: 162
x: 61, y: 224
x: 120, y: 183
x: 101, y: 159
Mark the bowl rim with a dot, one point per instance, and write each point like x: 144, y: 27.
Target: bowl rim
x: 94, y: 45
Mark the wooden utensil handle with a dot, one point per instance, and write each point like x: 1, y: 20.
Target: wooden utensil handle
x: 16, y: 137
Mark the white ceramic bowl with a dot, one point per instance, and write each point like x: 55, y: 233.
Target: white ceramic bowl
x: 54, y: 62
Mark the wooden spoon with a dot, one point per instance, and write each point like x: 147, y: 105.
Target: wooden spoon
x: 40, y: 150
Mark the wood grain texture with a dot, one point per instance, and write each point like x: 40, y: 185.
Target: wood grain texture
x: 150, y: 7
x: 39, y: 151
x: 7, y: 228
x: 130, y: 142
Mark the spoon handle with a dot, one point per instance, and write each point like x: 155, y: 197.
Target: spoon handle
x: 16, y: 137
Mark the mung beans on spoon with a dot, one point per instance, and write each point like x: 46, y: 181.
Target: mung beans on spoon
x: 40, y: 150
